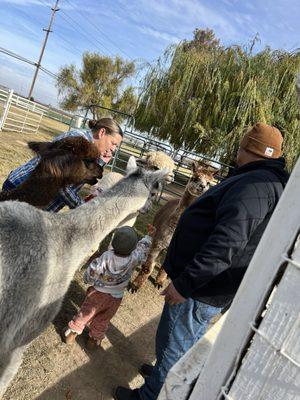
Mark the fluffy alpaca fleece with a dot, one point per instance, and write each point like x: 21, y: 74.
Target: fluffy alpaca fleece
x: 166, y: 219
x: 40, y: 253
x: 72, y: 160
x: 152, y: 161
x: 157, y: 160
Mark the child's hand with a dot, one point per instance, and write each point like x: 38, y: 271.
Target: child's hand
x: 151, y: 229
x: 89, y: 197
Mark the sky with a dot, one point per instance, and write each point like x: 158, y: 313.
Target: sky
x: 134, y: 29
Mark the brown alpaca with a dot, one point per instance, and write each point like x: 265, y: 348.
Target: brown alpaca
x: 166, y: 219
x: 72, y: 160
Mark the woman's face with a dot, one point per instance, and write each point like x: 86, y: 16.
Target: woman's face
x: 107, y: 144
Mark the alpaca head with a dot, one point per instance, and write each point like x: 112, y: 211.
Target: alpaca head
x: 149, y: 182
x: 155, y: 160
x: 72, y: 160
x: 201, y: 179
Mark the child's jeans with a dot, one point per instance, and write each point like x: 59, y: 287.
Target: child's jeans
x: 96, y: 311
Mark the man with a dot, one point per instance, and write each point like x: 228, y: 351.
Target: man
x: 105, y: 133
x: 211, y: 249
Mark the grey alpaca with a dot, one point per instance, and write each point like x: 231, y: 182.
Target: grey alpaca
x: 40, y: 253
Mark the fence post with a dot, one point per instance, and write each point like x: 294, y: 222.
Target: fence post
x: 6, y: 109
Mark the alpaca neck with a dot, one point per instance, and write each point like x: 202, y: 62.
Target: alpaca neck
x: 186, y: 200
x: 88, y: 224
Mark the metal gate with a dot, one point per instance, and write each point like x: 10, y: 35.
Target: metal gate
x: 19, y: 114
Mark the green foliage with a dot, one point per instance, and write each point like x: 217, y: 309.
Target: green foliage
x: 100, y: 81
x: 203, y: 97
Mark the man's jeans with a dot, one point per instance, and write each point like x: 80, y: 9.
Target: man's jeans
x: 180, y: 327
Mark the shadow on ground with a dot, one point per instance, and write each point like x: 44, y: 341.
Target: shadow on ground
x: 106, y: 369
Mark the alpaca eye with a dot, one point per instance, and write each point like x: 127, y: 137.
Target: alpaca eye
x: 156, y: 186
x: 88, y: 161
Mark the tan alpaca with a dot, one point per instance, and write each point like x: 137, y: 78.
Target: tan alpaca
x: 166, y: 219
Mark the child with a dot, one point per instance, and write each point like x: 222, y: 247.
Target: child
x: 109, y: 276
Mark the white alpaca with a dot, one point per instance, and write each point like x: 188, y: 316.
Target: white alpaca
x: 40, y: 253
x: 152, y: 161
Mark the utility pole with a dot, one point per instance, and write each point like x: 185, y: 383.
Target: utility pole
x: 38, y: 64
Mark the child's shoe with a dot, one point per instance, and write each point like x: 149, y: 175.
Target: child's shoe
x: 93, y: 344
x: 69, y: 336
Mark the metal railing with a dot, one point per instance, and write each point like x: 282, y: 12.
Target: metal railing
x: 24, y: 115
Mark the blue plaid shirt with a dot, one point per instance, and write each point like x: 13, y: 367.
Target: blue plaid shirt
x: 67, y: 196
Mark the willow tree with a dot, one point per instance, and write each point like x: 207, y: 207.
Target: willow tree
x: 203, y: 97
x: 101, y: 80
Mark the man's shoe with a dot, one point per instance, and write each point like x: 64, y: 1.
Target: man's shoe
x: 146, y: 370
x: 123, y: 393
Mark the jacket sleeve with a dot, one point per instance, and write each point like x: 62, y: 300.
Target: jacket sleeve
x: 139, y: 255
x: 95, y: 268
x: 238, y: 214
x: 70, y: 196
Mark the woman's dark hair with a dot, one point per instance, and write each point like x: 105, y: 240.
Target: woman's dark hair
x: 110, y: 125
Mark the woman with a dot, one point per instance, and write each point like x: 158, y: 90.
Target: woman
x: 105, y: 133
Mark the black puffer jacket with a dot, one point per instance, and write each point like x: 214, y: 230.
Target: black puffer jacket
x: 217, y: 235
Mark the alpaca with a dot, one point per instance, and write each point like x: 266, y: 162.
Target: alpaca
x: 166, y: 219
x: 72, y: 160
x: 40, y: 253
x: 152, y: 161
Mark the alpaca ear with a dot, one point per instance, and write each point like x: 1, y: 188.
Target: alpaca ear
x: 39, y: 147
x: 141, y: 162
x: 78, y: 146
x: 131, y: 165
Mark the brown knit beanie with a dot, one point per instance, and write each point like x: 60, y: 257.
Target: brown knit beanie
x: 263, y: 140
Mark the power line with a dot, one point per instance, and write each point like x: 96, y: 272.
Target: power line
x: 14, y: 55
x: 100, y: 30
x: 72, y: 47
x: 72, y: 22
x: 48, y: 30
x: 21, y: 58
x: 83, y: 32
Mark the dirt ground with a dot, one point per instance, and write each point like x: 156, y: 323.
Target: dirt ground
x: 51, y: 370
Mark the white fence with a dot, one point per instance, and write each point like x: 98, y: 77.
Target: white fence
x: 19, y: 114
x: 22, y: 115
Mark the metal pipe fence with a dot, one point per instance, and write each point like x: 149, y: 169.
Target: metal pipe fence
x: 22, y: 115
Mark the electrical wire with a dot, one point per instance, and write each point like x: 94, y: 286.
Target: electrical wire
x: 83, y: 32
x: 72, y: 47
x: 99, y: 30
x: 21, y: 58
x: 79, y: 30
